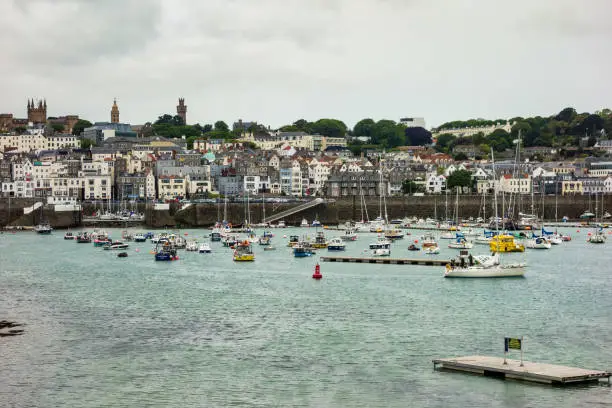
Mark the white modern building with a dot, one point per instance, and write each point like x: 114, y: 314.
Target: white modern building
x: 413, y: 122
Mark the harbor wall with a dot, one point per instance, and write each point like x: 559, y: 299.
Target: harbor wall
x: 333, y: 212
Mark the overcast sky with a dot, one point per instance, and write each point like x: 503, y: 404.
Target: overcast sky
x: 275, y: 61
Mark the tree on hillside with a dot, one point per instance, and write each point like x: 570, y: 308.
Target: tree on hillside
x: 460, y: 157
x: 364, y: 127
x: 79, y: 126
x: 417, y: 136
x: 20, y: 130
x: 57, y: 127
x: 388, y: 134
x: 87, y: 143
x: 329, y: 127
x: 302, y: 125
x: 221, y: 126
x: 411, y: 187
x: 444, y: 141
x: 459, y: 178
x: 566, y: 115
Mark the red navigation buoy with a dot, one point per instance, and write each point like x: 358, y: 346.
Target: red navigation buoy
x: 317, y: 273
x: 416, y: 241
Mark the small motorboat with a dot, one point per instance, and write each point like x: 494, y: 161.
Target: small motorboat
x: 349, y: 235
x: 269, y: 248
x: 243, y: 252
x: 69, y: 236
x: 191, y: 246
x: 413, y: 247
x: 301, y: 251
x: 381, y: 252
x: 336, y: 244
x: 432, y: 250
x: 461, y: 243
x: 204, y: 248
x: 122, y: 255
x: 381, y: 242
x: 43, y: 228
x: 165, y: 252
x: 265, y: 240
x: 83, y: 238
x: 538, y: 243
x: 140, y: 237
x: 115, y: 245
x: 304, y: 223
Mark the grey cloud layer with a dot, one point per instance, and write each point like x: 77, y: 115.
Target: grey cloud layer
x: 279, y: 60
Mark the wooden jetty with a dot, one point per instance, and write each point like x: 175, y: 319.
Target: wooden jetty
x: 532, y: 372
x: 386, y: 261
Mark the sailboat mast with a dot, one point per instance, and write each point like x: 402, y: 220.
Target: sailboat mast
x: 494, y: 192
x: 263, y: 207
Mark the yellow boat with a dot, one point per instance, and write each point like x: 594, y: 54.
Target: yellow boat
x: 320, y: 241
x: 243, y: 252
x: 505, y: 243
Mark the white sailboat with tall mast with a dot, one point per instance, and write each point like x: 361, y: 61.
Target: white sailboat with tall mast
x: 483, y: 266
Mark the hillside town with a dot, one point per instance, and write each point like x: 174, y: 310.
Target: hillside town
x: 47, y: 158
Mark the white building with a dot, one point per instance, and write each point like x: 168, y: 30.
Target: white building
x: 62, y: 141
x: 413, y: 122
x: 18, y: 188
x: 97, y: 187
x: 23, y: 143
x: 520, y: 185
x: 254, y: 184
x: 471, y: 131
x: 296, y: 179
x: 435, y: 184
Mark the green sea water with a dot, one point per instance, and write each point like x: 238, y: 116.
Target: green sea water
x: 204, y: 331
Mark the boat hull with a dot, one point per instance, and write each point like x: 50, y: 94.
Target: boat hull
x: 492, y: 272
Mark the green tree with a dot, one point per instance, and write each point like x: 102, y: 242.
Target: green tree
x: 207, y: 128
x: 221, y: 126
x: 87, y: 143
x: 302, y: 125
x: 329, y: 127
x: 411, y: 187
x: 566, y: 115
x: 20, y: 130
x: 364, y: 127
x: 388, y: 134
x: 417, y: 136
x: 79, y: 126
x: 459, y: 178
x: 460, y: 157
x: 57, y: 127
x: 444, y: 141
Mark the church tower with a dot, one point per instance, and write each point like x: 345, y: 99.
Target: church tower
x: 115, y: 112
x: 37, y: 112
x: 181, y: 110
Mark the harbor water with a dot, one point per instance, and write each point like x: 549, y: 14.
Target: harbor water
x: 204, y: 331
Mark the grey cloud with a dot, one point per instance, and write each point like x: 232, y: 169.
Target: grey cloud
x: 277, y: 60
x: 69, y: 32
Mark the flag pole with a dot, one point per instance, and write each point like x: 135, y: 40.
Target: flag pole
x: 522, y: 344
x: 505, y: 350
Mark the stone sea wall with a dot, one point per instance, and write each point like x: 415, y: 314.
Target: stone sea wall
x: 335, y: 212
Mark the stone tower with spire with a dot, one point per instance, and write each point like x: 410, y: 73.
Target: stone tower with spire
x: 37, y: 112
x: 181, y: 110
x: 115, y: 112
